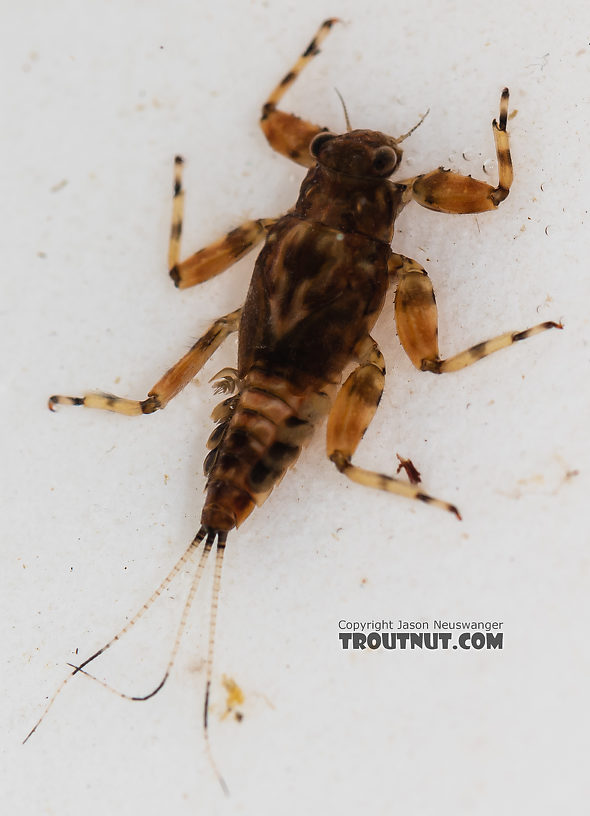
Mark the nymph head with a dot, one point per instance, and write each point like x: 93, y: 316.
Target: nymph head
x: 361, y: 153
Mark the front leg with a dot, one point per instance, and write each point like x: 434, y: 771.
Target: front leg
x: 448, y: 192
x: 285, y: 132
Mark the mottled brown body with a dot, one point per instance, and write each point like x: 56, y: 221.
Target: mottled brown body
x: 311, y: 281
x: 318, y: 286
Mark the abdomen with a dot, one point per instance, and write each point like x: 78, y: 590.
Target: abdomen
x: 260, y: 434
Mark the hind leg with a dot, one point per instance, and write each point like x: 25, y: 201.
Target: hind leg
x: 173, y: 381
x: 353, y: 410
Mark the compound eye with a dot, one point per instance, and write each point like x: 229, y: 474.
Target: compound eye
x: 318, y: 142
x: 384, y: 160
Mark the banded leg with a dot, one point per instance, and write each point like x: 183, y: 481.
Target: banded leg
x: 353, y: 410
x: 285, y: 132
x: 173, y: 381
x: 417, y: 323
x: 448, y: 192
x: 218, y: 256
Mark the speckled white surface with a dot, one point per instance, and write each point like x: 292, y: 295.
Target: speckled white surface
x: 98, y: 98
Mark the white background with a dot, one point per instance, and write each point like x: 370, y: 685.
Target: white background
x: 98, y: 98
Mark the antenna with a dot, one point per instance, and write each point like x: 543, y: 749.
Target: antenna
x: 348, y: 127
x: 409, y: 133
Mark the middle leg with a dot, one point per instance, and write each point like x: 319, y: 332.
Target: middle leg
x: 416, y: 316
x: 218, y: 256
